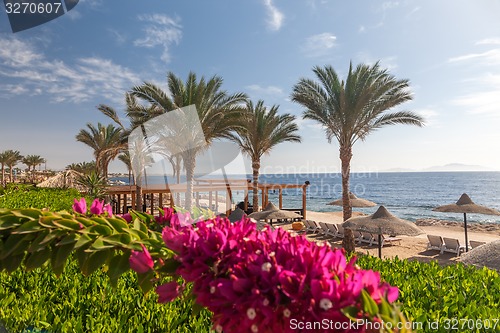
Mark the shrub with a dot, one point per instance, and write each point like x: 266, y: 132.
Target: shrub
x: 75, y: 303
x: 33, y: 197
x: 451, y: 296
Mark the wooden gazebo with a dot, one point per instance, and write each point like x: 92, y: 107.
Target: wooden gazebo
x: 162, y: 195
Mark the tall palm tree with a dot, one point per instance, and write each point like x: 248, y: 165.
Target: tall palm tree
x: 107, y: 142
x: 13, y: 158
x: 263, y: 129
x: 218, y: 111
x: 350, y: 110
x: 4, y: 158
x: 31, y: 161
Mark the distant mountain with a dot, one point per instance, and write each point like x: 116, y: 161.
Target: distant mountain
x: 399, y: 170
x: 457, y: 167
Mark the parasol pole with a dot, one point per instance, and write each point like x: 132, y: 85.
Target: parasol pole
x: 379, y: 243
x: 466, y: 238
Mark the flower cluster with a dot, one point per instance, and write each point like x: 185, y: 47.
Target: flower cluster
x: 258, y: 281
x: 97, y: 207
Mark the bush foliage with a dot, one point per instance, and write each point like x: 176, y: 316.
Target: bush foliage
x: 75, y: 303
x: 15, y: 197
x: 463, y: 298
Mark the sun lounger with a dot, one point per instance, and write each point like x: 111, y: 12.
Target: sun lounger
x: 366, y: 237
x: 340, y: 233
x: 325, y: 231
x: 475, y: 244
x: 452, y: 245
x: 435, y: 243
x: 385, y: 240
x: 334, y: 230
x: 357, y: 236
x: 311, y: 226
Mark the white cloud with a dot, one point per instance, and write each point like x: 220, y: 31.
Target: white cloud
x: 86, y: 78
x: 389, y: 62
x: 491, y: 57
x: 362, y: 29
x: 484, y: 98
x: 386, y: 5
x: 275, y: 18
x: 319, y: 45
x: 430, y: 116
x: 269, y: 90
x: 162, y: 31
x: 489, y: 41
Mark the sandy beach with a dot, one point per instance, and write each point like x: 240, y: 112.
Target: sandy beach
x: 414, y: 248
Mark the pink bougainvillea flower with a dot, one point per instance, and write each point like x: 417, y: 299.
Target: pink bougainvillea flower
x: 167, y: 292
x: 165, y: 215
x: 108, y: 209
x: 97, y: 207
x: 141, y: 261
x: 127, y: 217
x: 80, y: 206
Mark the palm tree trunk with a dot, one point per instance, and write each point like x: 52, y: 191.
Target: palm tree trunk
x: 345, y: 158
x: 255, y: 187
x: 3, y: 175
x: 11, y: 176
x: 189, y: 163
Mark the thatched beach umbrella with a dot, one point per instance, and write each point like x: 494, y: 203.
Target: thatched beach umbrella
x: 466, y: 205
x: 236, y: 215
x: 271, y: 212
x: 382, y: 222
x: 355, y: 202
x: 64, y: 179
x: 485, y: 255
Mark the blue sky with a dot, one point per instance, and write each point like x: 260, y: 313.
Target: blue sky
x: 53, y: 76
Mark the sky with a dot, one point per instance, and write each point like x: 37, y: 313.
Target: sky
x: 53, y: 76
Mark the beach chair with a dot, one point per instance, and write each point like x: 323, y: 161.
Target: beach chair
x: 435, y: 243
x: 366, y: 237
x: 340, y: 231
x: 474, y: 244
x: 452, y: 245
x: 325, y: 231
x: 311, y: 226
x: 385, y: 240
x: 357, y: 236
x: 334, y: 230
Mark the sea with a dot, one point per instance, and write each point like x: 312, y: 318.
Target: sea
x: 408, y: 195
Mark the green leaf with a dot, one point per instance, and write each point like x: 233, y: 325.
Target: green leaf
x: 27, y: 227
x: 96, y: 260
x: 10, y: 221
x: 118, y: 265
x: 118, y: 239
x: 169, y: 267
x: 16, y: 244
x: 67, y: 224
x: 145, y: 281
x: 99, y: 245
x: 29, y: 212
x: 117, y: 224
x: 69, y: 239
x: 35, y: 245
x: 101, y: 230
x: 37, y: 259
x: 83, y: 240
x: 59, y: 256
x: 11, y: 263
x: 369, y: 305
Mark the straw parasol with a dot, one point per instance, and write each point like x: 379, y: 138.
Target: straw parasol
x: 63, y: 179
x: 355, y: 202
x: 271, y: 212
x: 485, y: 255
x: 236, y: 215
x: 466, y: 205
x: 382, y: 222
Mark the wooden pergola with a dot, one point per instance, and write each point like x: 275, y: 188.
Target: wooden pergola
x: 124, y: 196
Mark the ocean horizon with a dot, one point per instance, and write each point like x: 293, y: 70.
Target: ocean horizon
x: 408, y: 195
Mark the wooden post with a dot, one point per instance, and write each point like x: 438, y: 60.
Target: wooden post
x: 304, y: 201
x: 152, y: 203
x: 160, y: 200
x: 263, y: 199
x: 210, y: 199
x: 245, y: 201
x: 118, y: 204
x: 228, y: 203
x: 216, y: 201
x: 281, y: 197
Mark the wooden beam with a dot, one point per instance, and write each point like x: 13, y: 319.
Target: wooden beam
x: 281, y: 197
x: 304, y: 201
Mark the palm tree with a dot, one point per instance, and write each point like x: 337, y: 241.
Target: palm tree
x: 3, y: 162
x: 13, y: 157
x: 218, y: 111
x: 31, y: 162
x: 82, y: 167
x: 125, y: 158
x: 353, y: 109
x: 262, y: 129
x: 107, y: 142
